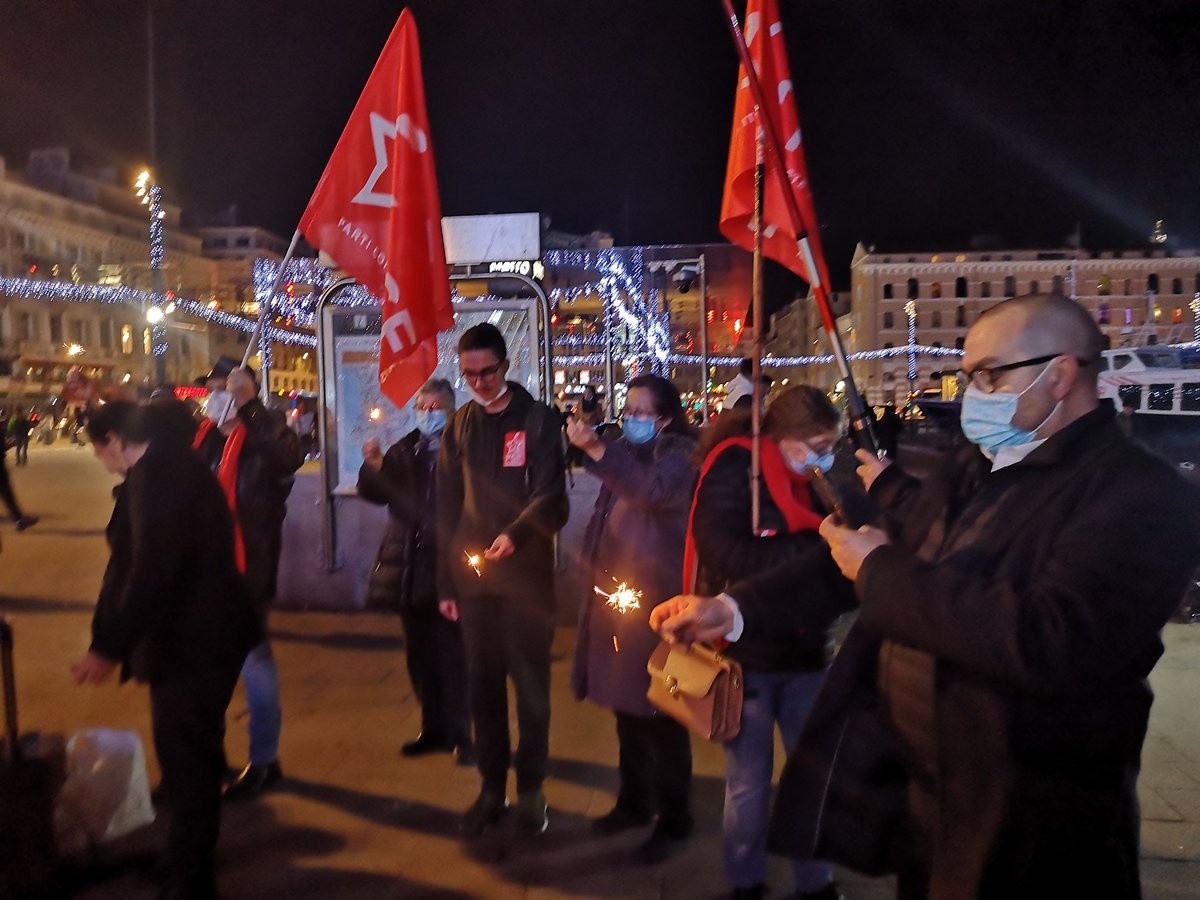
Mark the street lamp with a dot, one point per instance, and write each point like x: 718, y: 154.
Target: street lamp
x: 910, y: 310
x: 151, y: 197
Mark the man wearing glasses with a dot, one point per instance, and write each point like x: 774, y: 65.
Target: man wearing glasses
x: 980, y: 732
x: 501, y: 495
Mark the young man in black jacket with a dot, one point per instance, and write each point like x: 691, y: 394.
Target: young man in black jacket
x: 255, y: 457
x: 501, y: 494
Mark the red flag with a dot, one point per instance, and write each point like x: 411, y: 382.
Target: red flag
x: 764, y: 38
x: 376, y: 213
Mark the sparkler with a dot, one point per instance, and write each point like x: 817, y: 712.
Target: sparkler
x: 623, y: 598
x: 475, y: 561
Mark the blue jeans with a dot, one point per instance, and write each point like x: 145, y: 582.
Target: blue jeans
x: 261, y: 679
x: 769, y: 697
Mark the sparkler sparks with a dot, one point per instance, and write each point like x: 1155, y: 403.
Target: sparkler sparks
x: 475, y: 561
x: 623, y: 598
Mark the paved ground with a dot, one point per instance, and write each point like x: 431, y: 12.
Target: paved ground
x: 353, y: 820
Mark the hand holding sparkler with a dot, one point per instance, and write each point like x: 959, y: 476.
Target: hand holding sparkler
x: 475, y: 561
x: 623, y: 597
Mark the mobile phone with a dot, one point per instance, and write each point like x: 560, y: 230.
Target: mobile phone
x: 829, y: 495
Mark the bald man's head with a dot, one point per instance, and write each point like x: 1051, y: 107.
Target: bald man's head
x: 1042, y: 324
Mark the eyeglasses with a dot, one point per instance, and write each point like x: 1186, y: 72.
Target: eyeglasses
x: 480, y: 374
x: 984, y: 378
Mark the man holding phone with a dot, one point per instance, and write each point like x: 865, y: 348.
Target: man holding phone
x: 987, y: 711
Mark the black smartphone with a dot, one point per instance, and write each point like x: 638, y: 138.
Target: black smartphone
x: 830, y: 498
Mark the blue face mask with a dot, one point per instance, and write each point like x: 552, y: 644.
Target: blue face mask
x: 987, y: 420
x: 822, y: 461
x: 639, y: 430
x: 431, y: 421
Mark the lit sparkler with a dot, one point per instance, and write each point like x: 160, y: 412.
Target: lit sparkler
x: 623, y: 598
x: 475, y: 561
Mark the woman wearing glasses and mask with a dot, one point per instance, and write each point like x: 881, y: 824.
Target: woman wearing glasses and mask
x: 782, y: 670
x: 636, y: 538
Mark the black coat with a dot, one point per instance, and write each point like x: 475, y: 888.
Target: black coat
x: 480, y: 497
x: 729, y: 551
x: 171, y: 602
x: 267, y: 467
x: 405, y: 574
x: 1037, y: 593
x: 635, y: 535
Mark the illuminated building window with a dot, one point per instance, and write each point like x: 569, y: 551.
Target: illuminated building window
x: 127, y: 339
x: 147, y: 342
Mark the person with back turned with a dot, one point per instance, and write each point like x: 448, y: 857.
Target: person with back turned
x: 987, y: 710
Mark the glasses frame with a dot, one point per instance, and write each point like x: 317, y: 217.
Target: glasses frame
x: 984, y: 377
x: 482, y: 374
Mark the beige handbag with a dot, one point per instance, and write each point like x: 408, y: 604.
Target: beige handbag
x: 698, y: 687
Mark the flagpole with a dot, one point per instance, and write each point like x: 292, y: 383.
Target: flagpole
x: 756, y: 289
x: 860, y: 419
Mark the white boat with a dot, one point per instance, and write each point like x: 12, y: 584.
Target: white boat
x: 1162, y: 387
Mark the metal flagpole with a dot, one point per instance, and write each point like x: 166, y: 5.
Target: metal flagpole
x: 860, y: 419
x: 757, y: 308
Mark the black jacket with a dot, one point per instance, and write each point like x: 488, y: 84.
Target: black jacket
x: 405, y: 572
x: 266, y: 471
x: 171, y: 602
x: 480, y: 497
x: 1037, y: 594
x: 730, y: 552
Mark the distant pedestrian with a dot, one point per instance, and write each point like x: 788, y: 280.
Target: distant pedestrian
x: 405, y: 575
x: 172, y: 613
x: 19, y: 427
x: 6, y: 491
x: 501, y: 495
x: 255, y: 457
x: 636, y: 536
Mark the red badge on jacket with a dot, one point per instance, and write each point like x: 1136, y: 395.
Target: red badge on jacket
x: 514, y: 449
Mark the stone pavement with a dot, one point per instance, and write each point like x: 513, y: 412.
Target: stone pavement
x: 354, y: 820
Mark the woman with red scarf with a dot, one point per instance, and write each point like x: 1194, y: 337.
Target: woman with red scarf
x: 782, y: 671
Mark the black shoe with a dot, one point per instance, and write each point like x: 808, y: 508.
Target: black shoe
x: 27, y: 522
x: 662, y: 844
x: 253, y: 780
x: 426, y: 744
x: 464, y: 753
x: 754, y: 892
x: 487, y: 808
x: 620, y: 819
x: 532, y: 819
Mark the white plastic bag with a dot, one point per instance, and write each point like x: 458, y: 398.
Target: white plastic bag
x: 106, y: 794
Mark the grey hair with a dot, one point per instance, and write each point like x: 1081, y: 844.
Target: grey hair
x: 440, y: 386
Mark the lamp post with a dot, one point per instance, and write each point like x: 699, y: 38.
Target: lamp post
x: 151, y: 196
x: 910, y: 310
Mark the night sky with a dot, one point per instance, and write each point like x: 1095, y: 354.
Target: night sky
x: 926, y: 122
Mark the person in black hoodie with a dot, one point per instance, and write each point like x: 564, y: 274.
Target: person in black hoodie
x: 501, y: 492
x: 782, y: 669
x: 405, y: 575
x: 255, y: 456
x: 172, y: 612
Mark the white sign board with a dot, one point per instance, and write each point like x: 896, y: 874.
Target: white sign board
x: 471, y: 240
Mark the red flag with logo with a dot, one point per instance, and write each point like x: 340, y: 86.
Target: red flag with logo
x: 764, y: 39
x: 376, y: 213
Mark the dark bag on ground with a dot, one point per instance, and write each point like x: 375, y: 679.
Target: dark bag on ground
x: 31, y: 771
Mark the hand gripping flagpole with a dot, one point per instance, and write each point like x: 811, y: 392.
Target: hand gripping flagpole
x: 860, y: 419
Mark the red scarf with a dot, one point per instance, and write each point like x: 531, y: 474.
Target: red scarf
x: 227, y: 475
x: 788, y: 491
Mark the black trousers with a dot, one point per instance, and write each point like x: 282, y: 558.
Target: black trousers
x: 509, y: 637
x: 437, y: 667
x: 656, y: 769
x: 6, y: 491
x: 188, y: 719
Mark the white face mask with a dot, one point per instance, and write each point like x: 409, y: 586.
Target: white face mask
x: 486, y: 403
x: 220, y: 407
